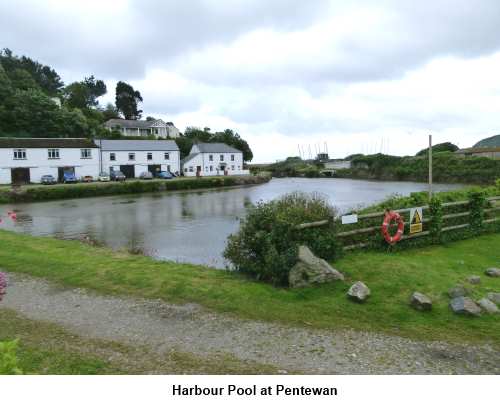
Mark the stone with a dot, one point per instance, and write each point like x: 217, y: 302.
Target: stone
x: 420, y: 302
x: 310, y: 269
x: 489, y: 306
x: 495, y: 297
x: 474, y: 279
x: 359, y: 292
x: 458, y: 291
x: 465, y: 306
x: 492, y: 272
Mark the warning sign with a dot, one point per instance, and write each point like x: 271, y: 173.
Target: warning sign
x: 416, y: 219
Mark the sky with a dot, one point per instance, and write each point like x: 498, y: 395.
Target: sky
x: 363, y: 76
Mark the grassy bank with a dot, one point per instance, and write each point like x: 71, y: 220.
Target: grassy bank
x: 32, y: 193
x: 392, y: 279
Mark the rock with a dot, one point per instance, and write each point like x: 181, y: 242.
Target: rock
x: 488, y: 305
x: 474, y: 279
x: 310, y: 269
x: 420, y: 302
x: 495, y: 297
x: 359, y: 292
x: 464, y: 305
x: 492, y: 272
x: 458, y: 291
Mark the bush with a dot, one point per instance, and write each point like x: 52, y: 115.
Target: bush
x: 8, y: 358
x: 266, y: 245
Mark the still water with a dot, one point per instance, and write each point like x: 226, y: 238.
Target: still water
x: 184, y: 226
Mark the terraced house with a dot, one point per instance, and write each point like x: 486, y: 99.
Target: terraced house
x: 132, y: 157
x: 26, y: 160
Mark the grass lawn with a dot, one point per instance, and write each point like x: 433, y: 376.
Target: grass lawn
x: 391, y: 277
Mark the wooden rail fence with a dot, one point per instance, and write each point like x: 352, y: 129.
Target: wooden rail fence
x: 493, y: 201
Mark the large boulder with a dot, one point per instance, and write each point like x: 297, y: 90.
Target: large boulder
x: 458, y: 291
x: 492, y: 272
x: 310, y: 269
x: 495, y: 297
x: 488, y: 306
x: 420, y: 302
x: 465, y: 306
x: 359, y: 292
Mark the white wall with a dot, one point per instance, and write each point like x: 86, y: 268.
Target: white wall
x: 234, y: 168
x: 39, y: 163
x: 141, y: 161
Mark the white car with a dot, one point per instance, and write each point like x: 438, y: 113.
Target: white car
x: 103, y: 177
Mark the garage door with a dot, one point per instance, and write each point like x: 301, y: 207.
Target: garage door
x: 128, y: 171
x: 154, y: 169
x: 20, y: 175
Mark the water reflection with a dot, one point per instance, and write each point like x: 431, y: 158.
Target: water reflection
x: 183, y: 226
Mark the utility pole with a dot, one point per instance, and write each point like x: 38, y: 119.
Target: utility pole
x: 430, y: 167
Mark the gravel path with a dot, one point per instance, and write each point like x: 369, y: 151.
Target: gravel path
x: 189, y: 328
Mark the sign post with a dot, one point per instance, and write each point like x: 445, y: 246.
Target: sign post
x: 430, y: 167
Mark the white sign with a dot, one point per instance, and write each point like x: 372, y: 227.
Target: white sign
x: 350, y: 219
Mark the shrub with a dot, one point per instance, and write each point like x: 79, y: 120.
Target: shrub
x: 8, y: 358
x: 436, y: 222
x: 266, y: 245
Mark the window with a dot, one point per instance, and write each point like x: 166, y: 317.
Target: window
x: 211, y: 168
x: 206, y: 168
x: 185, y: 170
x: 53, y: 153
x: 167, y: 156
x: 156, y: 131
x: 211, y: 158
x: 86, y: 153
x: 222, y: 158
x: 112, y: 156
x: 150, y: 155
x: 190, y: 168
x: 239, y: 167
x: 168, y: 168
x: 19, y: 154
x: 232, y: 167
x: 232, y: 158
x: 131, y: 156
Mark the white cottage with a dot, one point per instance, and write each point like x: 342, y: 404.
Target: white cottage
x: 132, y: 157
x: 26, y: 160
x: 213, y: 159
x: 144, y: 128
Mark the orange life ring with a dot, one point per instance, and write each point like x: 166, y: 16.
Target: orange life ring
x: 388, y: 218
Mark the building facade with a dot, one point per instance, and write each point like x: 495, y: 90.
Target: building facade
x: 143, y: 128
x: 26, y: 160
x: 213, y: 159
x: 132, y: 157
x: 489, y: 152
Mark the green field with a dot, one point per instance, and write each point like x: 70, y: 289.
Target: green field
x: 391, y: 277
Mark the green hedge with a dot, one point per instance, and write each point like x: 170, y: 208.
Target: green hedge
x: 65, y: 191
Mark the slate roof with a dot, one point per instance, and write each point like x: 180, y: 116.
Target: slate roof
x: 491, y: 142
x: 478, y: 150
x: 118, y: 122
x: 189, y: 157
x: 217, y: 148
x: 42, y: 143
x: 137, y: 145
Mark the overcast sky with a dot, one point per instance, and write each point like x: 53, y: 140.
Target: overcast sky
x: 362, y: 76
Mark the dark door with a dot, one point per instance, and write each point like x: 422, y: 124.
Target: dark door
x: 198, y: 170
x: 62, y: 170
x: 20, y: 175
x: 128, y: 171
x: 154, y: 169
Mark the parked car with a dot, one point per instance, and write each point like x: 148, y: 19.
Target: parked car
x: 165, y: 175
x: 103, y: 176
x: 146, y: 176
x: 87, y: 179
x: 48, y: 179
x: 117, y: 176
x: 69, y: 178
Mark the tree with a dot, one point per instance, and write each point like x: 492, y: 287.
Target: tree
x: 84, y: 94
x: 127, y: 100
x: 110, y: 112
x: 440, y: 147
